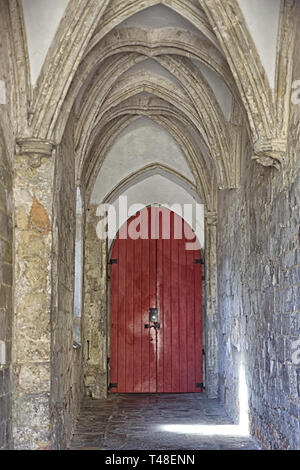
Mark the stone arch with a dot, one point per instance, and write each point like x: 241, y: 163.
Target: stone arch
x: 83, y: 20
x: 205, y: 182
x: 164, y: 41
x: 149, y: 170
x: 53, y: 85
x: 133, y: 85
x: 20, y: 65
x: 124, y: 9
x: 267, y: 132
x: 79, y: 22
x: 138, y: 41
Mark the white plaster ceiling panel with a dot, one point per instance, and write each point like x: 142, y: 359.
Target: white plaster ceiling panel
x: 202, y: 147
x: 262, y: 18
x: 154, y: 68
x: 42, y: 18
x: 141, y: 143
x: 159, y: 190
x: 159, y: 16
x: 219, y: 87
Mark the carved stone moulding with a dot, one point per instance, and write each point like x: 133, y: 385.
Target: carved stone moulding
x: 211, y: 218
x: 35, y: 149
x: 270, y: 152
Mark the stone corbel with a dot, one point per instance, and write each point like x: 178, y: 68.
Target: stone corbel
x: 35, y: 149
x: 270, y: 152
x: 211, y: 218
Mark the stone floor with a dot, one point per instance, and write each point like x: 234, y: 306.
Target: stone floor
x: 141, y: 422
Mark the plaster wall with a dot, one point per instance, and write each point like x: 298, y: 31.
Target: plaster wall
x: 159, y: 16
x: 262, y: 18
x: 42, y: 19
x: 140, y: 144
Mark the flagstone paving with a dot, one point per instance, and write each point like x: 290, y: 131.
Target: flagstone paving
x: 140, y: 422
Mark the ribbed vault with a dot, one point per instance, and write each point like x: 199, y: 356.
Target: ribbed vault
x: 200, y: 168
x: 91, y: 33
x: 146, y: 172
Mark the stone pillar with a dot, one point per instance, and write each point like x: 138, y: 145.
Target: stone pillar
x: 211, y: 317
x: 33, y: 204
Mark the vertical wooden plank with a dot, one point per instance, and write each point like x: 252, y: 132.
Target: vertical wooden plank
x: 122, y: 330
x: 183, y: 333
x: 137, y: 321
x: 145, y: 302
x: 175, y: 220
x: 152, y: 293
x: 160, y: 306
x: 190, y: 286
x: 166, y: 356
x: 128, y: 295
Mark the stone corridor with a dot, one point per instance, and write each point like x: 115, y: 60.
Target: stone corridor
x: 157, y: 422
x: 108, y: 107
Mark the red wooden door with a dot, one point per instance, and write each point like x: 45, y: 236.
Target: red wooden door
x: 156, y: 271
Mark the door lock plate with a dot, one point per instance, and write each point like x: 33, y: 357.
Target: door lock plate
x: 153, y: 315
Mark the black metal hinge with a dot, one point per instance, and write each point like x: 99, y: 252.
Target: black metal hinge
x: 112, y: 385
x: 199, y: 261
x: 113, y: 261
x: 199, y: 385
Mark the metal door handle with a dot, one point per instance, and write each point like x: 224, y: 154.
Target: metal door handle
x: 156, y: 325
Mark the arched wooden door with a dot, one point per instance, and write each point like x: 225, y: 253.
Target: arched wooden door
x: 156, y: 306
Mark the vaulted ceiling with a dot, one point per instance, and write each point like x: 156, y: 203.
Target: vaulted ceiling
x: 202, y: 71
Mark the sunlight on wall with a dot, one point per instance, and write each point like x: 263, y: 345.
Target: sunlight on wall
x: 241, y: 429
x: 78, y: 269
x: 243, y: 401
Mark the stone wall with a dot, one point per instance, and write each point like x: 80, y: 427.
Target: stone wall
x: 5, y: 295
x: 259, y: 294
x: 66, y: 359
x: 259, y: 291
x: 95, y: 323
